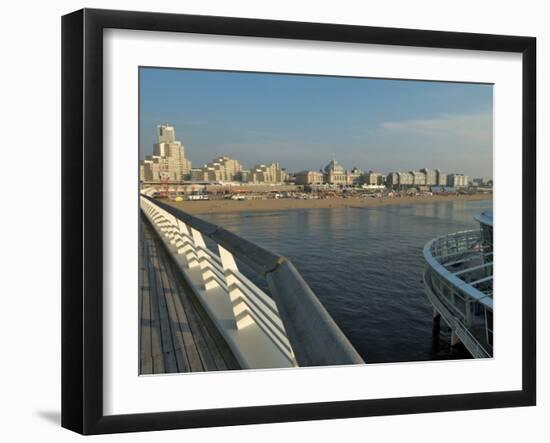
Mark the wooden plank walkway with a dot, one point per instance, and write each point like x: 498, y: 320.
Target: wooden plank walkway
x: 176, y: 334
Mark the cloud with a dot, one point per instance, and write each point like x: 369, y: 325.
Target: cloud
x: 473, y: 127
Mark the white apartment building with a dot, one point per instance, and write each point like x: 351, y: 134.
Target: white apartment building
x: 457, y: 180
x: 419, y: 178
x: 431, y: 176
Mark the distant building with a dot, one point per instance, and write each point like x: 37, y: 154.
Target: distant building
x: 482, y: 183
x: 418, y: 178
x: 372, y: 179
x: 172, y: 150
x: 405, y: 179
x: 244, y: 176
x: 199, y: 175
x: 441, y: 178
x: 392, y: 180
x: 353, y: 176
x: 335, y: 174
x: 152, y: 167
x: 268, y: 174
x: 457, y: 181
x: 309, y: 178
x: 168, y: 158
x: 222, y: 169
x: 431, y: 176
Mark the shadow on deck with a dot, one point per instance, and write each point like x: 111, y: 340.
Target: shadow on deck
x: 176, y: 334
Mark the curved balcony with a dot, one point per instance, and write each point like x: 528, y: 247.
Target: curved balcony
x: 458, y: 281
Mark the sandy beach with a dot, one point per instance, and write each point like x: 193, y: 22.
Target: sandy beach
x: 217, y: 206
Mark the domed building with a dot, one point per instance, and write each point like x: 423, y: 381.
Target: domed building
x: 335, y: 174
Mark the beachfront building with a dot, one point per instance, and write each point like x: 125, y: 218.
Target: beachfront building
x: 172, y: 152
x: 271, y: 173
x: 457, y: 181
x: 150, y: 168
x: 372, y: 179
x: 440, y: 178
x: 244, y: 176
x: 335, y: 174
x: 431, y: 176
x: 419, y: 178
x: 405, y: 179
x: 392, y: 180
x: 222, y: 169
x: 168, y: 158
x: 399, y: 180
x: 198, y: 175
x: 354, y: 176
x: 309, y: 178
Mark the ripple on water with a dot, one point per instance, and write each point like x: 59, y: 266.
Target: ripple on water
x: 365, y: 265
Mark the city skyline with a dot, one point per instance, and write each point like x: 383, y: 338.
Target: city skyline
x: 372, y: 124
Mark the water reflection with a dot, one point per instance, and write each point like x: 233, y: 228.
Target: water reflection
x: 365, y: 265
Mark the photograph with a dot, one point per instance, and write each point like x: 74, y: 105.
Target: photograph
x: 295, y: 220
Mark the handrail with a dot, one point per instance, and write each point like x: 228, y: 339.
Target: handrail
x: 452, y: 295
x: 471, y: 342
x: 314, y: 336
x: 448, y: 276
x: 258, y: 259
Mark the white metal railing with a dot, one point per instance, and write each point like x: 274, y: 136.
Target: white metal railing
x: 456, y: 324
x: 463, y: 306
x: 250, y: 320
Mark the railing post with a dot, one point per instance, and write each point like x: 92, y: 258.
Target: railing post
x: 173, y: 231
x: 185, y: 245
x: 240, y: 308
x: 207, y: 273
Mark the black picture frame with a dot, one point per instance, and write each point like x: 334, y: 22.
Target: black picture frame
x: 82, y: 219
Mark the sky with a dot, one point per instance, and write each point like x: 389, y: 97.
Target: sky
x: 304, y: 121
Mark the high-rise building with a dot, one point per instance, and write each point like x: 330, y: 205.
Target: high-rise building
x: 168, y: 156
x: 178, y: 167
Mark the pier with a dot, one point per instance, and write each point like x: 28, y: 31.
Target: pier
x: 176, y: 334
x: 198, y: 312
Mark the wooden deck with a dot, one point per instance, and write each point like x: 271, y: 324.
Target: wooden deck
x: 176, y: 334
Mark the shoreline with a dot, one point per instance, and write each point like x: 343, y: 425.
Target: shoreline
x: 272, y: 205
